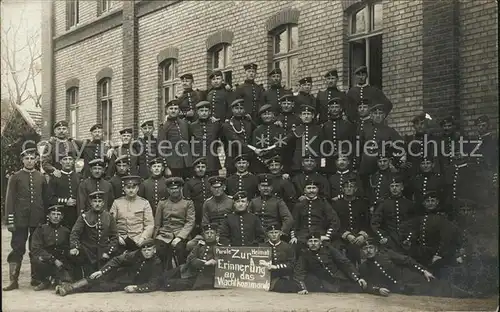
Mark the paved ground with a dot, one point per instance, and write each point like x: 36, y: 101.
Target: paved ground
x: 25, y: 299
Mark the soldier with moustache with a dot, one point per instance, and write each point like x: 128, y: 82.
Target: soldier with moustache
x: 147, y: 146
x: 206, y: 132
x: 25, y: 203
x: 189, y: 98
x: 270, y: 209
x: 95, y: 182
x: 251, y: 93
x: 127, y: 149
x: 310, y: 171
x: 266, y: 136
x: 96, y: 148
x: 242, y: 180
x: 63, y: 190
x: 282, y: 186
x: 344, y: 170
x: 219, y: 97
x: 276, y: 90
x: 325, y: 96
x: 154, y: 188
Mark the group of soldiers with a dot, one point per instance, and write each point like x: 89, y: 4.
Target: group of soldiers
x: 145, y: 215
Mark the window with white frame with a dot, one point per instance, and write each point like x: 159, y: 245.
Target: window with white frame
x: 365, y: 42
x: 105, y: 5
x: 72, y: 13
x: 72, y: 97
x: 106, y: 107
x: 221, y: 59
x: 286, y: 54
x: 169, y: 81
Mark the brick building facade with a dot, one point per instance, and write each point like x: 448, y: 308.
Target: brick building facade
x: 119, y: 61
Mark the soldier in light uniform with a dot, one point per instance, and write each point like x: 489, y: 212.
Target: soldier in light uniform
x: 133, y: 216
x: 219, y: 97
x: 50, y: 250
x: 95, y: 182
x: 154, y: 188
x: 305, y: 97
x: 242, y: 180
x: 148, y: 147
x: 241, y: 228
x: 251, y: 93
x: 276, y: 90
x: 137, y: 271
x: 332, y: 92
x: 189, y: 98
x: 128, y: 150
x: 96, y: 148
x: 174, y: 221
x: 25, y: 203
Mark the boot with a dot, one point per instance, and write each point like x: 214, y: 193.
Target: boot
x: 67, y: 289
x: 43, y: 285
x: 14, y: 269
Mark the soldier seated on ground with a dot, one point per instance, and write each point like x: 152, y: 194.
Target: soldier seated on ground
x: 199, y: 271
x: 138, y: 271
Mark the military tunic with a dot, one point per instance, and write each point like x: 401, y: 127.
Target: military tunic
x: 488, y: 161
x: 266, y: 135
x: 91, y: 185
x: 448, y: 145
x: 241, y: 229
x: 220, y: 99
x: 95, y: 149
x: 117, y: 183
x: 300, y: 182
x: 282, y: 256
x: 314, y: 215
x: 153, y: 190
x: 61, y: 190
x: 202, y: 276
x: 288, y: 122
x: 336, y: 182
x: 416, y: 148
x: 215, y: 210
x: 57, y: 149
x: 237, y: 133
x: 284, y: 189
x: 461, y: 185
x: 129, y: 150
x: 148, y: 150
x: 358, y: 93
x: 272, y: 211
x: 187, y: 102
x: 353, y: 215
x: 322, y: 99
x: 359, y: 142
x: 253, y: 94
x: 335, y: 131
x: 272, y: 96
x: 307, y: 99
x: 177, y: 153
x: 423, y: 183
x: 205, y: 136
x: 197, y: 189
x: 307, y: 139
x: 242, y: 182
x: 174, y: 219
x: 380, y: 183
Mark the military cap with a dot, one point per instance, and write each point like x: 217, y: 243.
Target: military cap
x: 305, y: 80
x: 156, y: 160
x: 265, y: 179
x: 333, y: 73
x: 309, y: 156
x: 237, y: 102
x: 272, y: 227
x: 429, y: 155
x: 202, y: 104
x: 431, y: 194
x: 187, y: 76
x: 351, y: 178
x: 241, y: 157
x: 210, y: 227
x: 173, y: 102
x: 215, y: 73
x: 122, y: 160
x: 240, y: 195
x: 174, y: 182
x: 97, y: 162
x: 148, y: 242
x: 150, y: 123
x: 66, y: 154
x: 199, y: 160
x: 96, y: 195
x: 216, y: 181
x: 96, y: 127
x: 131, y: 180
x: 275, y: 71
x: 287, y: 97
x: 384, y: 152
x: 335, y: 100
x: 58, y: 208
x: 265, y: 108
x: 482, y: 119
x: 126, y: 130
x: 250, y: 66
x: 29, y: 151
x: 396, y: 178
x: 316, y: 235
x: 449, y: 119
x: 419, y: 118
x: 307, y: 108
x: 361, y: 69
x: 62, y: 123
x: 378, y: 106
x: 311, y: 181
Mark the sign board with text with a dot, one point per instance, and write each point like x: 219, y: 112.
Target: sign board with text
x: 242, y: 267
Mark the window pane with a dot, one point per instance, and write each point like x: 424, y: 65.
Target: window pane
x: 104, y: 88
x: 110, y: 120
x: 217, y: 59
x: 294, y: 37
x: 228, y: 55
x: 173, y: 91
x: 375, y: 63
x: 166, y: 95
x: 104, y: 116
x: 285, y: 77
x: 167, y: 71
x: 281, y: 42
x: 377, y: 16
x: 73, y: 121
x: 174, y: 71
x: 359, y: 21
x: 357, y: 52
x: 293, y: 70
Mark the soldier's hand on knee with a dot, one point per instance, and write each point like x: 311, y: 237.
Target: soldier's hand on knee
x: 131, y: 289
x: 428, y: 275
x: 96, y: 275
x: 384, y: 292
x: 362, y: 283
x: 11, y: 228
x: 105, y: 256
x: 74, y: 252
x: 303, y: 292
x: 383, y: 241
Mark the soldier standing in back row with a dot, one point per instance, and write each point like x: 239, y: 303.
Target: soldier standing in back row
x: 189, y: 98
x: 219, y: 97
x: 305, y: 97
x: 94, y: 183
x: 325, y: 96
x: 95, y: 148
x: 148, y: 148
x: 276, y: 90
x: 251, y: 93
x: 127, y: 149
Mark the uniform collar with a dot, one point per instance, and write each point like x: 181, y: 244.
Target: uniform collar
x: 364, y: 118
x: 270, y: 243
x: 67, y: 173
x: 175, y: 201
x: 461, y: 165
x: 242, y: 174
x: 485, y: 135
x: 363, y: 85
x: 187, y: 90
x: 343, y: 172
x: 249, y: 81
x: 312, y: 199
x: 29, y: 171
x: 332, y: 89
x: 276, y: 86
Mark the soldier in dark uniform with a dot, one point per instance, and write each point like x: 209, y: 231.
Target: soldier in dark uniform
x: 25, y: 204
x: 323, y: 268
x: 59, y: 147
x: 94, y: 238
x: 426, y: 180
x: 362, y: 90
x: 237, y: 133
x: 127, y: 149
x: 50, y: 250
x: 420, y: 144
x: 63, y: 190
x: 332, y: 92
x: 450, y: 141
x: 251, y: 93
x: 391, y: 214
x: 288, y: 120
x: 354, y: 215
x: 270, y: 210
x: 335, y: 130
x: 266, y: 135
x: 276, y: 90
x: 174, y: 221
x: 205, y: 133
x: 96, y: 148
x: 197, y: 189
x: 147, y: 147
x: 314, y: 214
x: 380, y: 181
x: 173, y: 140
x: 242, y: 180
x: 219, y: 97
x: 122, y: 168
x: 241, y: 228
x: 137, y: 271
x: 336, y: 180
x: 363, y: 119
x: 154, y: 188
x: 94, y: 183
x: 282, y: 185
x: 305, y: 97
x: 488, y: 161
x: 310, y: 171
x: 189, y: 98
x: 282, y: 261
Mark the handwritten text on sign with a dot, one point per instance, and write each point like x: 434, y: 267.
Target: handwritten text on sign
x: 242, y: 267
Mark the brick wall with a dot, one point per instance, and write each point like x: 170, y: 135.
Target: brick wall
x: 478, y: 61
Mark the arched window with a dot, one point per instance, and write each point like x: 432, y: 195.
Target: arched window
x: 72, y: 104
x: 365, y: 42
x: 221, y: 57
x: 285, y: 52
x: 106, y: 107
x: 168, y: 78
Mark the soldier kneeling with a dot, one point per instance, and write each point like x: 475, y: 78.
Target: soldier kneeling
x: 137, y: 271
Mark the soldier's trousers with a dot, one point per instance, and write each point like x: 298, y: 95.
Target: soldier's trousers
x: 45, y: 269
x: 330, y: 285
x: 167, y: 252
x: 18, y: 244
x: 283, y: 285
